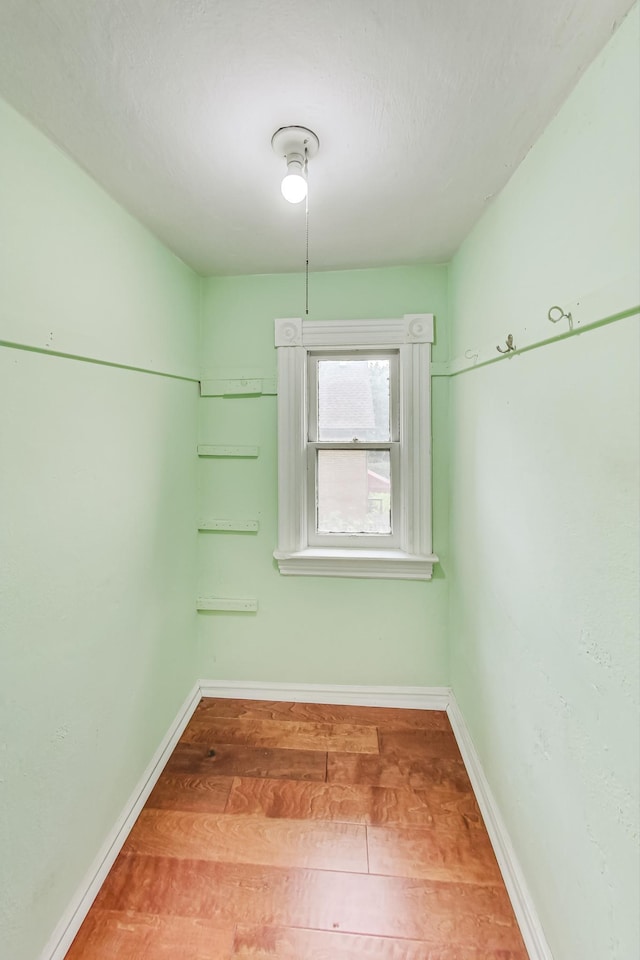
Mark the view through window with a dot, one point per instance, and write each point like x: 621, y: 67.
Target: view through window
x: 354, y: 440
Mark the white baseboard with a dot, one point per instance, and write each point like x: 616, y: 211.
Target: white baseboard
x: 418, y: 698
x: 523, y: 906
x: 71, y: 921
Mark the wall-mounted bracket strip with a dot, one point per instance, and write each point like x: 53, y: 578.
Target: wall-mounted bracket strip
x: 228, y: 605
x: 231, y: 526
x: 221, y: 450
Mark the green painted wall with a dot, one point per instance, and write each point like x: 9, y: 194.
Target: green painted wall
x: 307, y: 629
x: 97, y: 522
x: 544, y: 515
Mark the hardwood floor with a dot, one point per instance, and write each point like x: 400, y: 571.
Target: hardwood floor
x: 282, y: 831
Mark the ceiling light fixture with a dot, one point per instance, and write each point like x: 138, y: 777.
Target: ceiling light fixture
x: 296, y: 145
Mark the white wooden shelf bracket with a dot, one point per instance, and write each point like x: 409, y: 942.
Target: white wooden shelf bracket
x: 225, y: 450
x: 227, y: 605
x: 230, y: 526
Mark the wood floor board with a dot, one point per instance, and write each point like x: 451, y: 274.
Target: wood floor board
x: 185, y: 791
x: 398, y: 770
x: 432, y: 854
x: 231, y: 760
x: 228, y: 839
x: 449, y: 803
x: 420, y: 743
x: 354, y: 803
x: 450, y: 913
x: 347, y: 802
x: 283, y: 734
x: 390, y: 718
x: 124, y: 935
x: 287, y: 943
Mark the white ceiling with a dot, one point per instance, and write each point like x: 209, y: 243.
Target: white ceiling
x: 423, y: 109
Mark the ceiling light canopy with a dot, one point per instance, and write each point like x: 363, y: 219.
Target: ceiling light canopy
x: 296, y: 145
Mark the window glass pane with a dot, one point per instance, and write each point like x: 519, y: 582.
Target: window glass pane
x: 354, y: 491
x: 353, y: 399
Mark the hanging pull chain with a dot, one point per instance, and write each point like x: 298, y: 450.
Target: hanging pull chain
x: 306, y: 215
x: 306, y: 274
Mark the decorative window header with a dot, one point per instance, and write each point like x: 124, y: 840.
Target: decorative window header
x: 411, y: 328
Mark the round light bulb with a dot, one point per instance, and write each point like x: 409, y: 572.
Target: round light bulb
x: 294, y: 187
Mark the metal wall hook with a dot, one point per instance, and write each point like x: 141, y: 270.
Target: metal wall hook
x: 559, y: 314
x: 510, y: 345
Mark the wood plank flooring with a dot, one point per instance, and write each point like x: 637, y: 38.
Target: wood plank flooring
x: 282, y: 831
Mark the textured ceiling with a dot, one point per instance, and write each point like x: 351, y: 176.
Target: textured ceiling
x: 423, y: 109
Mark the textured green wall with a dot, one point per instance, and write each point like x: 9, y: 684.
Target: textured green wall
x: 544, y: 515
x: 97, y: 522
x: 307, y: 629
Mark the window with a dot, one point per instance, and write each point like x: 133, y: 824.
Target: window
x: 354, y: 448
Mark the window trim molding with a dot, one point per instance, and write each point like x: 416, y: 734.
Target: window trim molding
x: 294, y: 339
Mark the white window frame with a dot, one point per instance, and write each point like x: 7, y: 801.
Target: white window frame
x: 412, y: 336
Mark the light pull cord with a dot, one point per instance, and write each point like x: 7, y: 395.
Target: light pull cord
x: 306, y: 214
x: 306, y: 274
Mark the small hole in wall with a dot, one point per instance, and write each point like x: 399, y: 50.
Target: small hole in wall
x: 212, y: 753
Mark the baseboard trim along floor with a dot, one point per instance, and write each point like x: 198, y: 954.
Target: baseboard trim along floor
x: 419, y: 698
x: 514, y: 881
x: 71, y: 921
x: 416, y: 698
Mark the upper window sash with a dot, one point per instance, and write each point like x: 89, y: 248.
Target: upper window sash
x: 314, y: 357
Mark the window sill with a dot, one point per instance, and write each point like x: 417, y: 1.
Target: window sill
x: 367, y: 564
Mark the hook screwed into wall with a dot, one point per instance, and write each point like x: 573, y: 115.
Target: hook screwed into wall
x: 557, y: 313
x: 510, y: 345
